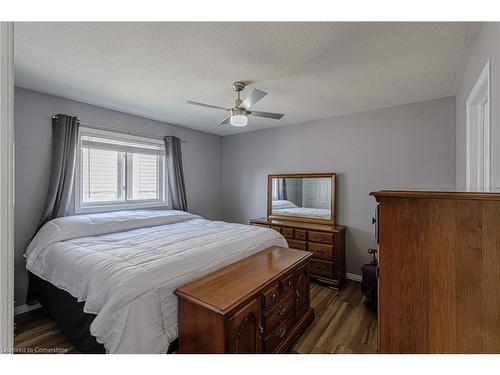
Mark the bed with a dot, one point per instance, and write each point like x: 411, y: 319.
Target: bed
x: 287, y: 208
x: 121, y: 268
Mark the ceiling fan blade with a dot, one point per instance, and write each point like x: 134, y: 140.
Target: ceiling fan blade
x: 225, y: 121
x: 275, y: 116
x: 207, y: 105
x: 253, y: 98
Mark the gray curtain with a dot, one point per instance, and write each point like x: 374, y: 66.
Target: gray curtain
x: 62, y: 173
x: 175, y: 174
x: 282, y: 194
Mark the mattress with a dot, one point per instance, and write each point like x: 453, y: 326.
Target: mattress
x: 126, y: 265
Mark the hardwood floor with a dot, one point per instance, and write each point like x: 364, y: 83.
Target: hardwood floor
x: 343, y: 324
x: 36, y: 333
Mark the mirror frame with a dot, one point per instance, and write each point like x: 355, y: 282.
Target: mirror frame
x: 332, y: 176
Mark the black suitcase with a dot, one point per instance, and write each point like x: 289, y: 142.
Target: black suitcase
x: 369, y: 281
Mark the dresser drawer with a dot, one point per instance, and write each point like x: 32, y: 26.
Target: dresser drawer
x: 321, y: 251
x: 274, y: 316
x: 287, y: 284
x: 322, y: 237
x: 272, y: 341
x: 299, y: 245
x: 271, y: 294
x: 321, y: 268
x: 276, y: 228
x: 301, y: 234
x: 287, y: 232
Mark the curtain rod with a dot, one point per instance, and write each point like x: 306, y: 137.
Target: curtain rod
x: 118, y: 130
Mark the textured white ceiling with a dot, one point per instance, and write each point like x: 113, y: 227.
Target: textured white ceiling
x: 310, y: 70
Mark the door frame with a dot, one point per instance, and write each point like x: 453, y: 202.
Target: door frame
x: 6, y: 187
x: 478, y: 98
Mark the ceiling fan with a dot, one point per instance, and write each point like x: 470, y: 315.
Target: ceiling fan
x: 241, y: 110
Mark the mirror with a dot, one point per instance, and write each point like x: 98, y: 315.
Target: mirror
x: 307, y: 197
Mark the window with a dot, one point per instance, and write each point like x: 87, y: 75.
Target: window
x: 117, y: 171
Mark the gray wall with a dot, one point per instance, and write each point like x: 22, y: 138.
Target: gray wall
x: 201, y: 159
x: 294, y: 190
x: 487, y: 47
x: 406, y: 146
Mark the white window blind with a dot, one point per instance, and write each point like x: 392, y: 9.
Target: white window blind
x: 115, y: 170
x: 145, y: 179
x: 100, y: 175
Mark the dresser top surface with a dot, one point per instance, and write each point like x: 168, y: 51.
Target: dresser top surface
x: 223, y: 290
x: 487, y: 194
x: 298, y: 224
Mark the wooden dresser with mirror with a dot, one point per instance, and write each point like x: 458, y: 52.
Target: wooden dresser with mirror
x: 302, y: 208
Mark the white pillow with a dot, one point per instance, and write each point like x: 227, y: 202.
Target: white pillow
x: 70, y: 227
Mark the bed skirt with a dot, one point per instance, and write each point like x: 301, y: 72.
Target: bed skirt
x: 68, y: 314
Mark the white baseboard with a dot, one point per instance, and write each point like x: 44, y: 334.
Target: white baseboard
x: 25, y: 308
x: 353, y: 277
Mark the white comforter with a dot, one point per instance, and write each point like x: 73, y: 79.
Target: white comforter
x: 126, y: 265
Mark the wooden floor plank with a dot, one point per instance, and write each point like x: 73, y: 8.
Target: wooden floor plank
x: 342, y: 324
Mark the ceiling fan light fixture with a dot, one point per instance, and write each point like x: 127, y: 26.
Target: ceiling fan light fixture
x: 239, y: 120
x: 242, y: 108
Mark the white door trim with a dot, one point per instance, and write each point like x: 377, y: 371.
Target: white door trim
x: 478, y: 109
x: 6, y: 187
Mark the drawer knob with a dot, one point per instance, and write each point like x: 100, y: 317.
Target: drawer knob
x: 320, y: 252
x: 282, y: 331
x: 297, y: 294
x: 320, y: 238
x: 273, y: 296
x: 261, y: 330
x: 281, y: 310
x: 290, y: 283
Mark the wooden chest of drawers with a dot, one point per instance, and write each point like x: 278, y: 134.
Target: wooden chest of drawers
x: 257, y: 305
x: 325, y: 242
x: 439, y: 272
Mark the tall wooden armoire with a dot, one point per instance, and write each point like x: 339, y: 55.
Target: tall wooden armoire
x: 439, y: 272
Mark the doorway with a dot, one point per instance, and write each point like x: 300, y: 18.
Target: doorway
x: 478, y: 129
x: 6, y: 187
